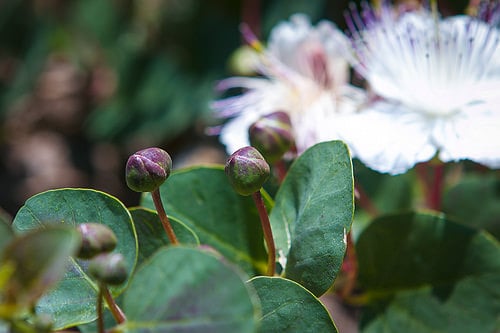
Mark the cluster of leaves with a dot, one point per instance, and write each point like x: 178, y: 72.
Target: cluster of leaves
x: 212, y: 282
x: 417, y: 271
x: 427, y: 271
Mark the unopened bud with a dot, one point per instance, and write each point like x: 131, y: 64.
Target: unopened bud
x: 147, y: 169
x: 109, y: 268
x: 272, y: 135
x: 43, y: 323
x: 247, y: 170
x: 96, y: 239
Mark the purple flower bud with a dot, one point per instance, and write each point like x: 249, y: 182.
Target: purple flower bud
x: 272, y: 135
x: 96, y: 239
x: 147, y: 169
x: 109, y: 268
x: 247, y: 170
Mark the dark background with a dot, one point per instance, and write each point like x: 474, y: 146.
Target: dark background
x: 85, y: 83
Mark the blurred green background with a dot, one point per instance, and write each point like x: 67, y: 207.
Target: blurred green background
x: 85, y: 83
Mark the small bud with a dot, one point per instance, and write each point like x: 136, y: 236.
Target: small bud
x: 272, y: 135
x: 109, y: 268
x: 43, y: 323
x: 147, y: 169
x: 96, y: 239
x: 247, y: 170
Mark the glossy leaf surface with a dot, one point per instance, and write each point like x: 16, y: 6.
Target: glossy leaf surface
x: 182, y: 289
x: 203, y: 199
x: 313, y: 214
x: 69, y: 207
x: 151, y: 235
x: 289, y: 307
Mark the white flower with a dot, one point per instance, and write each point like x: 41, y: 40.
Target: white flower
x: 439, y: 80
x: 305, y: 74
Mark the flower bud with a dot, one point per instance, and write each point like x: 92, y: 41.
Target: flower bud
x: 147, y: 169
x: 96, y: 239
x: 272, y: 135
x: 109, y: 268
x: 43, y: 323
x: 247, y: 170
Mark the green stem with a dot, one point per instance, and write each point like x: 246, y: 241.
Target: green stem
x: 163, y: 217
x: 113, y: 307
x: 268, y: 233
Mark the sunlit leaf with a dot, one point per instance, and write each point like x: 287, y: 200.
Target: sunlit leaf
x: 289, y: 307
x: 313, y: 214
x: 182, y: 289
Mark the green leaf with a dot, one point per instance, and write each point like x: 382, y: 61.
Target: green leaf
x: 77, y: 291
x: 289, y: 307
x: 424, y: 273
x: 151, y: 235
x: 35, y: 262
x: 475, y: 201
x: 313, y: 214
x: 182, y: 289
x: 203, y: 199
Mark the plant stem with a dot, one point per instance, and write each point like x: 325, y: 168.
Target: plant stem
x: 268, y: 233
x: 364, y: 201
x: 349, y: 268
x: 280, y: 170
x: 113, y: 307
x: 100, y: 315
x: 437, y: 187
x: 163, y: 217
x: 432, y: 177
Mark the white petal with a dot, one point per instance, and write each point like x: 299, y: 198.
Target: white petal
x: 286, y: 36
x: 474, y: 134
x: 388, y: 138
x: 234, y: 134
x: 293, y: 42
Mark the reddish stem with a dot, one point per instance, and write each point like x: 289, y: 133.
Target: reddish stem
x: 251, y: 15
x: 116, y: 311
x: 280, y: 170
x: 436, y: 190
x: 163, y: 217
x: 268, y: 233
x: 350, y: 268
x: 433, y: 187
x: 364, y: 200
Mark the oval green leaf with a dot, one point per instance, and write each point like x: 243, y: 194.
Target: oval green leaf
x: 188, y: 290
x: 151, y: 235
x: 424, y: 273
x: 36, y: 261
x: 289, y: 307
x: 70, y: 207
x: 313, y: 214
x: 203, y: 199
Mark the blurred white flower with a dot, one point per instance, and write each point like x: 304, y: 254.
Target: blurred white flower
x: 304, y: 73
x: 439, y: 83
